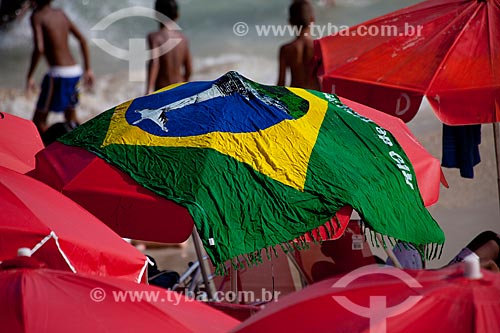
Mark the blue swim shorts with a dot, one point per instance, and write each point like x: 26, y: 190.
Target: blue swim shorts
x: 58, y: 93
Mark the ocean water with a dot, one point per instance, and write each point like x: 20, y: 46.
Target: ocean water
x: 209, y: 26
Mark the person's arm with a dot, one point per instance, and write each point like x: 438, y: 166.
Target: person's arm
x: 187, y: 64
x: 282, y: 67
x: 36, y: 54
x: 88, y: 75
x: 153, y: 66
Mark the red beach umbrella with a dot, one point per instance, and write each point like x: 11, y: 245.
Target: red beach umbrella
x: 446, y: 50
x: 111, y: 195
x: 385, y: 299
x: 44, y: 300
x: 59, y: 232
x: 19, y: 143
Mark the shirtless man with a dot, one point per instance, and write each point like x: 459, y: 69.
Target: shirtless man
x: 175, y: 65
x: 297, y: 55
x: 51, y: 29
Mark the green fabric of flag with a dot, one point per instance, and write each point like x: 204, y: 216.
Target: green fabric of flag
x: 259, y: 166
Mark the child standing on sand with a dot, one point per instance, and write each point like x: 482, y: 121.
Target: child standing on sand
x: 51, y: 29
x: 175, y: 65
x: 297, y: 55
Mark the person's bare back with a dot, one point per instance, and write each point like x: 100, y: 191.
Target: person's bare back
x: 54, y: 28
x: 173, y: 66
x: 169, y: 66
x: 51, y: 29
x: 297, y: 57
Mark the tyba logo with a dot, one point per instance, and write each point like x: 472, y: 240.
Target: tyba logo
x: 137, y: 54
x: 377, y: 312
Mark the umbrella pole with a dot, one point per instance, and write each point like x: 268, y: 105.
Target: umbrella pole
x: 390, y: 254
x: 233, y: 276
x: 209, y: 287
x: 496, y: 135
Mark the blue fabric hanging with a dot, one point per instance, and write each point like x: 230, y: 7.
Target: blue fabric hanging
x: 461, y: 148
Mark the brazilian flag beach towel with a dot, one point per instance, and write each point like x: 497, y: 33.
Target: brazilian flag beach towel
x: 259, y: 165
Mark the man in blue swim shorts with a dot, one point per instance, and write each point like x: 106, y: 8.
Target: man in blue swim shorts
x: 51, y: 29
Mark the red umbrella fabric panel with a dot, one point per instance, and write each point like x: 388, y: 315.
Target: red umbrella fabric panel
x: 19, y: 143
x: 446, y: 50
x: 59, y: 232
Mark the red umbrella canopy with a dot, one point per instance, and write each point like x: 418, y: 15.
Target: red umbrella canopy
x: 113, y: 196
x: 386, y: 299
x: 447, y: 50
x: 44, y: 300
x: 59, y: 232
x: 19, y: 143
